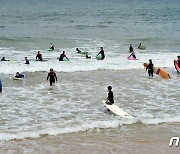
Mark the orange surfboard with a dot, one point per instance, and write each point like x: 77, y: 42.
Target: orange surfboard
x: 159, y: 71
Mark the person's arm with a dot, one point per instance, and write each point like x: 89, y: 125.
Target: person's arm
x: 55, y: 76
x: 130, y: 55
x: 48, y: 76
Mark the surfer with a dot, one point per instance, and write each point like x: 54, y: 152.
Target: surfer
x: 0, y: 86
x: 52, y: 76
x: 26, y: 60
x: 3, y: 59
x: 150, y: 68
x: 62, y: 56
x: 110, y: 98
x: 131, y: 48
x: 88, y: 57
x: 139, y: 46
x: 178, y: 60
x: 52, y: 47
x: 18, y: 75
x: 102, y: 53
x: 78, y: 51
x: 39, y: 56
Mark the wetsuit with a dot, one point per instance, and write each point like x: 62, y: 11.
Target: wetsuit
x: 39, y: 56
x: 110, y: 98
x: 27, y: 61
x: 178, y: 62
x: 19, y: 76
x: 0, y: 86
x: 102, y: 54
x: 52, y: 47
x: 131, y: 49
x: 52, y: 76
x: 150, y: 69
x: 62, y: 56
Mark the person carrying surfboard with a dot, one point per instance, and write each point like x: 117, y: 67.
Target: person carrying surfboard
x: 102, y: 53
x: 61, y: 58
x: 150, y: 68
x: 52, y: 77
x: 110, y: 98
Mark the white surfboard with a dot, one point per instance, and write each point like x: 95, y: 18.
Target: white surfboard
x: 118, y: 111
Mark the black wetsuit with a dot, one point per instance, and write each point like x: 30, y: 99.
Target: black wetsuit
x: 150, y: 69
x: 110, y: 98
x: 178, y: 63
x: 52, y: 76
x: 131, y: 49
x: 102, y: 54
x: 52, y: 47
x: 39, y: 56
x: 61, y: 58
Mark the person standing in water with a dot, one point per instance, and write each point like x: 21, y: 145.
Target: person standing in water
x: 52, y: 47
x: 26, y: 60
x: 150, y: 68
x: 102, y: 53
x: 131, y: 50
x: 61, y: 58
x: 39, y: 56
x: 52, y: 77
x: 110, y: 98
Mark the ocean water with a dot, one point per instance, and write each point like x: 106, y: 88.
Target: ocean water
x: 32, y: 110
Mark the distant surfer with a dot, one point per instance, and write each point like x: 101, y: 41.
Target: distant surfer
x: 131, y: 48
x: 3, y: 59
x: 52, y: 47
x: 150, y: 68
x: 39, y: 56
x: 52, y: 77
x: 62, y: 56
x: 110, y: 98
x: 139, y: 47
x: 26, y: 60
x: 78, y: 51
x: 88, y: 57
x: 0, y: 86
x: 18, y: 75
x: 102, y: 53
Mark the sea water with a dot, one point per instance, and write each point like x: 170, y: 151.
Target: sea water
x: 31, y: 108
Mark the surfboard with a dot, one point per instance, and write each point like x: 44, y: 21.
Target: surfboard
x: 176, y: 66
x: 142, y: 47
x: 18, y: 78
x: 99, y: 57
x: 118, y: 111
x: 49, y: 49
x: 159, y: 71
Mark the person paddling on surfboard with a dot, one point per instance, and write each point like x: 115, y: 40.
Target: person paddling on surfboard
x: 61, y: 58
x: 150, y: 68
x: 102, y: 53
x: 78, y: 51
x: 110, y: 98
x: 3, y: 59
x: 39, y: 56
x: 52, y: 47
x: 18, y: 75
x: 52, y: 77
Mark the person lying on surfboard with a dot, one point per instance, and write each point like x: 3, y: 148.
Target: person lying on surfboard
x: 3, y: 59
x: 102, y: 53
x: 150, y: 68
x: 52, y: 77
x: 78, y: 51
x: 110, y: 98
x: 88, y: 57
x: 18, y: 75
x: 61, y: 58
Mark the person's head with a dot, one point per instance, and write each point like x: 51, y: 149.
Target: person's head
x: 139, y: 43
x: 63, y: 52
x: 17, y: 73
x: 25, y: 57
x: 150, y: 60
x: 77, y: 49
x: 130, y: 44
x: 38, y: 52
x: 109, y: 88
x: 51, y: 70
x: 101, y: 48
x: 178, y: 57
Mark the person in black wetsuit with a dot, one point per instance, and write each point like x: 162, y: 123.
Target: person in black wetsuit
x: 102, y: 53
x: 110, y: 98
x: 178, y: 61
x: 62, y: 56
x: 52, y: 77
x: 52, y: 47
x: 3, y: 59
x: 150, y: 68
x: 39, y: 56
x: 131, y: 50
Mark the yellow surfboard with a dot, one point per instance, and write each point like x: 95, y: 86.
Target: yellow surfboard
x: 159, y: 71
